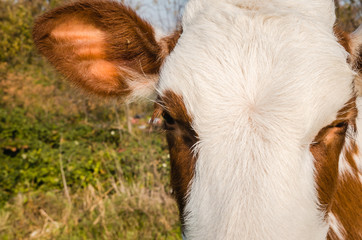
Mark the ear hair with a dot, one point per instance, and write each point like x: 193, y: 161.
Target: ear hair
x: 102, y: 46
x: 343, y: 38
x: 356, y: 57
x: 352, y: 43
x: 168, y: 43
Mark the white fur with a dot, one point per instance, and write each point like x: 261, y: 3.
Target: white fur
x: 343, y: 166
x: 259, y: 85
x: 322, y: 9
x: 336, y: 226
x: 141, y: 86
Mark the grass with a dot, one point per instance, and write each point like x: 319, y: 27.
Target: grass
x: 132, y: 212
x: 71, y: 170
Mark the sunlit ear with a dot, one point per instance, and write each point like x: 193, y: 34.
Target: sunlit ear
x: 102, y: 46
x: 356, y: 57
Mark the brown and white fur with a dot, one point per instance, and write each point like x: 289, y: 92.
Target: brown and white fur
x: 260, y: 101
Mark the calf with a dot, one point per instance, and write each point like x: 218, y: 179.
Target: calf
x: 260, y: 101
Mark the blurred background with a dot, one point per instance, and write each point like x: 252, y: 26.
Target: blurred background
x: 75, y: 167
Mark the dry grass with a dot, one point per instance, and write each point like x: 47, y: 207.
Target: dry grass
x: 131, y: 212
x: 133, y: 203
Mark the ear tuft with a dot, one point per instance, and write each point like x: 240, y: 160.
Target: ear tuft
x: 168, y: 43
x: 356, y: 57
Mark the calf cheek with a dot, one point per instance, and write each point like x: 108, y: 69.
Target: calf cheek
x: 180, y: 142
x: 326, y: 154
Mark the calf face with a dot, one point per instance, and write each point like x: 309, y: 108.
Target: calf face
x: 257, y: 98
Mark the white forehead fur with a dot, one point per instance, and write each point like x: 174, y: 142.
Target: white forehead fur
x: 259, y: 84
x: 323, y: 9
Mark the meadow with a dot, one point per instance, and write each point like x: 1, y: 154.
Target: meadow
x: 71, y: 167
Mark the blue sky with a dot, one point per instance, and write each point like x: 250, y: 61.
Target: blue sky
x: 160, y: 13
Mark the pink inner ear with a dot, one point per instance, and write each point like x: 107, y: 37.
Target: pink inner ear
x: 104, y: 71
x: 74, y: 29
x: 90, y: 51
x: 83, y: 46
x: 85, y: 40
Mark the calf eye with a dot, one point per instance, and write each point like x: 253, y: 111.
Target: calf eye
x: 342, y: 125
x: 168, y: 119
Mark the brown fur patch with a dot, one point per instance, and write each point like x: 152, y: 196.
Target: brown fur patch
x: 347, y: 206
x: 339, y: 194
x: 353, y: 45
x: 326, y: 150
x: 181, y: 138
x: 169, y: 42
x: 326, y: 155
x: 343, y: 38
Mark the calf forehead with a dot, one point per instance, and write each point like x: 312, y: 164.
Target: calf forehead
x: 265, y: 69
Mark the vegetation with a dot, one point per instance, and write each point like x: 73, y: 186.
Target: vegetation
x: 349, y: 13
x: 114, y: 184
x: 70, y: 169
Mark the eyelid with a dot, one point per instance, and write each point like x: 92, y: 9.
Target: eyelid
x: 168, y: 118
x: 341, y: 124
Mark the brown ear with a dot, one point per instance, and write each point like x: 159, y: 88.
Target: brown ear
x: 356, y: 57
x: 352, y: 42
x: 343, y: 38
x: 101, y: 46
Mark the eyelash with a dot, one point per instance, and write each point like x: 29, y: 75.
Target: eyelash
x: 342, y: 125
x: 167, y: 117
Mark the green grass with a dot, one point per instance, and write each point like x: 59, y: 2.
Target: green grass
x: 117, y: 183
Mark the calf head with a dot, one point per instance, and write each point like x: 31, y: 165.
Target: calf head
x: 257, y: 98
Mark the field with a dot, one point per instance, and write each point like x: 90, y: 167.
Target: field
x: 70, y: 169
